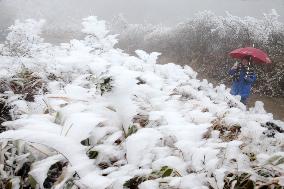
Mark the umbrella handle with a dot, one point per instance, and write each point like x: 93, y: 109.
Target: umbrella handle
x: 250, y: 60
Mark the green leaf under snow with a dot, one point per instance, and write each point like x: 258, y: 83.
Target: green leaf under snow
x: 167, y: 173
x: 9, y: 185
x: 131, y: 130
x: 58, y: 118
x: 86, y: 142
x: 279, y: 161
x: 93, y: 154
x: 276, y: 160
x: 32, y: 182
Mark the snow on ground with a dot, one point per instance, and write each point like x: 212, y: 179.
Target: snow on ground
x: 200, y: 131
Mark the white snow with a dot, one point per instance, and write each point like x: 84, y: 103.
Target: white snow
x: 179, y: 109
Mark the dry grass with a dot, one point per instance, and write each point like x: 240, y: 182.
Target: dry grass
x: 140, y: 120
x: 226, y: 132
x: 25, y: 83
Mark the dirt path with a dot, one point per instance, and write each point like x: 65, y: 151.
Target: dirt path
x: 274, y: 105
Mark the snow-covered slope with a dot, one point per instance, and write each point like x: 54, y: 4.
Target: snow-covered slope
x: 114, y: 117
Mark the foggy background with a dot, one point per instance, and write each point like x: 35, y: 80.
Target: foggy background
x: 67, y: 14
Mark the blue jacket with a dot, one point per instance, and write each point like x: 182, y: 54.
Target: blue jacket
x: 242, y: 86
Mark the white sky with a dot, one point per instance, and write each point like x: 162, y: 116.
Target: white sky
x: 169, y: 12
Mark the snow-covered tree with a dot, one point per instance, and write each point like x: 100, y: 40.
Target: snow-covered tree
x: 118, y: 24
x: 97, y: 35
x: 24, y: 38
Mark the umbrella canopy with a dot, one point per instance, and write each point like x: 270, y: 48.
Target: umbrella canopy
x: 257, y: 55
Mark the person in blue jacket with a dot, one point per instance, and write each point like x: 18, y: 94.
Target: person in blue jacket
x: 243, y: 79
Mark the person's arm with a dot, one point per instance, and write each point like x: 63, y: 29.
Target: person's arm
x: 250, y: 78
x: 233, y: 70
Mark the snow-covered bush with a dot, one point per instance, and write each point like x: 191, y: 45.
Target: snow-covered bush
x: 23, y: 39
x: 131, y: 36
x: 97, y: 36
x: 103, y: 84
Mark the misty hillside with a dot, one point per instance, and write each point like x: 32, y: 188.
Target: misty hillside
x: 87, y: 115
x: 205, y: 41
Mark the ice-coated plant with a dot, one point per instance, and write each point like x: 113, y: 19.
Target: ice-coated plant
x: 97, y: 36
x: 23, y: 39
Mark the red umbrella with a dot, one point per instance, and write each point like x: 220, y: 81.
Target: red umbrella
x: 257, y: 55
